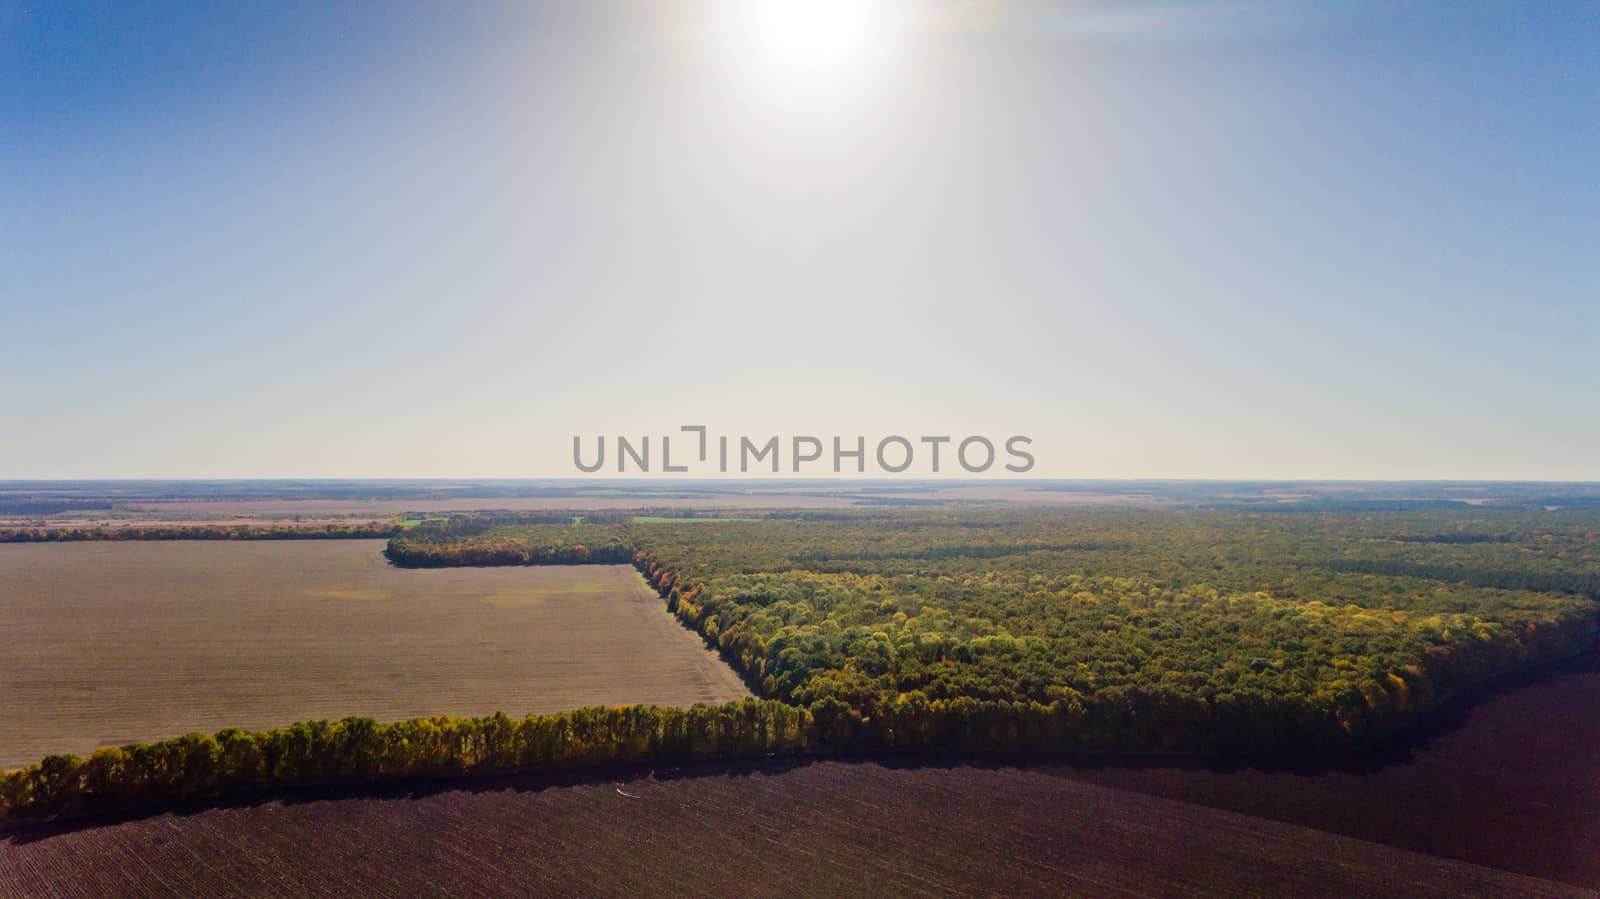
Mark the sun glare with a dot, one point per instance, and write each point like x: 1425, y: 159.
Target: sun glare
x: 807, y: 35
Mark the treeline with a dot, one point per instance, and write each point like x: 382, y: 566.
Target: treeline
x: 361, y: 749
x: 463, y: 524
x: 933, y: 553
x: 469, y: 544
x: 1586, y: 583
x: 49, y: 507
x: 550, y: 523
x: 364, y: 530
x: 1458, y: 539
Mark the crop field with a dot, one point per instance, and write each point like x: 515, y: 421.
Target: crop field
x: 110, y: 642
x: 819, y: 828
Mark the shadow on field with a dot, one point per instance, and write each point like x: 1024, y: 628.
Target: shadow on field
x: 1407, y: 746
x: 1400, y: 748
x: 407, y: 789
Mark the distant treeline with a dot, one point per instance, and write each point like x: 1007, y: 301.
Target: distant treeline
x: 952, y: 552
x: 361, y: 749
x: 48, y: 507
x: 1579, y: 582
x: 202, y: 532
x: 473, y: 543
x: 1454, y: 539
x: 463, y: 524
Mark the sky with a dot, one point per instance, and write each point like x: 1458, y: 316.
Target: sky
x: 1209, y: 239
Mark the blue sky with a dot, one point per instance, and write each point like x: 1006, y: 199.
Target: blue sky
x: 1211, y: 239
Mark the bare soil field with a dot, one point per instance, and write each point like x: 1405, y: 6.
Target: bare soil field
x: 109, y: 643
x: 773, y: 829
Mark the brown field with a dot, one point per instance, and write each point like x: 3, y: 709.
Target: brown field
x: 109, y: 643
x: 810, y: 829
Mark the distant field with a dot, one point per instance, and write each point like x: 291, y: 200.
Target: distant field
x: 109, y: 643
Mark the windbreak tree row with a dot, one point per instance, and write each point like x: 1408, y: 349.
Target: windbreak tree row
x: 537, y: 544
x: 361, y: 749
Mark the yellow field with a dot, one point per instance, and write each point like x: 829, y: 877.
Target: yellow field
x: 108, y: 643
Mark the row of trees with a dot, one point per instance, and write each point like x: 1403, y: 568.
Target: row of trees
x: 358, y: 749
x: 361, y: 749
x: 416, y: 554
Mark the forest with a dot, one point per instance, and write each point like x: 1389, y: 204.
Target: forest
x: 1238, y: 633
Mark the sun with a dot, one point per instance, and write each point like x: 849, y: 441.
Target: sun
x: 807, y: 35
